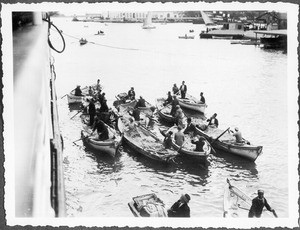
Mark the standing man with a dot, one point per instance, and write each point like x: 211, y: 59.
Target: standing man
x: 175, y: 89
x: 78, y: 91
x: 131, y: 94
x: 92, y: 111
x: 180, y: 208
x: 202, y: 98
x: 258, y: 203
x: 183, y: 89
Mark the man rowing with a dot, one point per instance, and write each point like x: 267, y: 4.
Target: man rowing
x: 258, y: 203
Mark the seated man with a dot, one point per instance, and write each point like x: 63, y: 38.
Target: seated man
x: 78, y: 91
x: 213, y: 121
x: 199, y: 142
x: 101, y: 130
x: 190, y: 128
x: 141, y: 102
x: 131, y: 94
x: 179, y: 116
x: 168, y: 140
x: 238, y: 135
x: 168, y: 100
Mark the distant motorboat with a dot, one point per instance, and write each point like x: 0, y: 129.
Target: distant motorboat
x: 82, y: 41
x: 186, y: 37
x: 148, y: 22
x: 100, y: 32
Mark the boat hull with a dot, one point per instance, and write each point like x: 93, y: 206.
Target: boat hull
x: 192, y: 103
x: 250, y: 152
x: 164, y: 111
x: 101, y: 147
x: 72, y: 99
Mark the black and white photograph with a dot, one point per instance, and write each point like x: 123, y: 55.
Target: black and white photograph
x: 150, y: 114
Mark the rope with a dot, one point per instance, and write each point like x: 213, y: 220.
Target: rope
x: 50, y: 24
x: 99, y: 44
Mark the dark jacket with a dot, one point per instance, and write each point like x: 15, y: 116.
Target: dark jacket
x: 92, y: 108
x: 257, y: 207
x: 101, y: 129
x: 179, y: 211
x: 199, y: 145
x: 78, y: 92
x: 189, y: 128
x: 213, y: 122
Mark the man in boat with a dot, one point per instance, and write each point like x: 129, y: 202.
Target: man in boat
x: 174, y: 103
x: 179, y: 137
x: 180, y: 208
x: 78, y: 91
x: 141, y: 102
x: 131, y: 94
x: 175, y: 89
x: 104, y: 107
x: 238, y: 135
x: 190, y: 127
x: 169, y: 99
x: 199, y: 141
x: 202, y: 98
x: 135, y: 113
x: 168, y: 140
x: 92, y: 111
x: 213, y: 121
x: 179, y: 116
x: 91, y: 91
x: 258, y: 203
x: 183, y: 89
x: 98, y: 86
x: 101, y: 129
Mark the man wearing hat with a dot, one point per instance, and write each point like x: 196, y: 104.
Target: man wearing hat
x: 199, y: 142
x: 180, y: 208
x: 78, y: 91
x: 258, y: 203
x: 131, y: 94
x: 202, y: 98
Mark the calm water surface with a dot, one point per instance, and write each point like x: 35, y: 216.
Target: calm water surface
x: 244, y: 85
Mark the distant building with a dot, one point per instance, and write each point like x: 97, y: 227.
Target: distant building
x: 136, y: 16
x: 274, y: 20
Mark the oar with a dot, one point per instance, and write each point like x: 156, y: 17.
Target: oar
x: 274, y: 213
x: 63, y: 96
x: 214, y: 151
x: 220, y: 136
x: 182, y: 146
x: 82, y: 138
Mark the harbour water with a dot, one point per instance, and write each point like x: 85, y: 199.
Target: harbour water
x: 245, y: 85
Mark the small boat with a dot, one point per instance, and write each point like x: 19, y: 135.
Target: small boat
x: 237, y: 204
x: 148, y: 205
x: 228, y: 143
x: 148, y: 22
x: 188, y: 148
x: 82, y: 41
x: 72, y: 99
x: 146, y: 143
x: 164, y: 111
x: 100, y: 32
x: 190, y: 102
x: 186, y: 37
x: 109, y: 146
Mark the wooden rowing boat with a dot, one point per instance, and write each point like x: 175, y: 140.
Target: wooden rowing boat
x: 190, y: 102
x: 228, y: 143
x: 144, y: 142
x: 109, y: 146
x: 72, y: 99
x: 148, y: 205
x: 237, y: 204
x: 188, y: 148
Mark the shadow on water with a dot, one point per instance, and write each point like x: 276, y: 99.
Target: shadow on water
x: 233, y: 162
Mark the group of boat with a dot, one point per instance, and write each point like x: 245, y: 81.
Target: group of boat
x: 149, y: 142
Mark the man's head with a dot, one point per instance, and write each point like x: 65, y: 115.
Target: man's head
x: 185, y: 198
x: 260, y: 193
